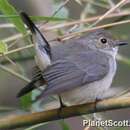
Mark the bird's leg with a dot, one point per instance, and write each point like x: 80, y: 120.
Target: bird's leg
x: 95, y: 117
x: 61, y: 106
x: 61, y: 103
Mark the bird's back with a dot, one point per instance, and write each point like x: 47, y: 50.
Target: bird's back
x: 68, y: 48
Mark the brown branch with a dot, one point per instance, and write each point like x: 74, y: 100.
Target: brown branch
x: 17, y: 121
x: 49, y: 28
x: 66, y: 24
x: 71, y: 23
x: 71, y: 35
x: 121, y: 3
x: 66, y: 37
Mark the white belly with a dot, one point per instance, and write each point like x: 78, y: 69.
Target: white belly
x: 90, y: 92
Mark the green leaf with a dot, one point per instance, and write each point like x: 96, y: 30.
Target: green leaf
x: 35, y: 18
x: 26, y: 101
x: 64, y: 125
x: 8, y: 9
x: 3, y: 47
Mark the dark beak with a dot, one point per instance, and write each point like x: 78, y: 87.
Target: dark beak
x: 121, y: 43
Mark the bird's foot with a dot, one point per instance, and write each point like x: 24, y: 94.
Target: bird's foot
x: 62, y: 105
x: 95, y: 117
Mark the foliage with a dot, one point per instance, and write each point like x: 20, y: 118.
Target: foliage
x: 8, y: 9
x: 3, y: 47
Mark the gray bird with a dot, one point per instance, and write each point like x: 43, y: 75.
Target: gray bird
x: 79, y: 71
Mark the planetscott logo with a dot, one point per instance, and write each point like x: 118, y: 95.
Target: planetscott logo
x: 106, y: 123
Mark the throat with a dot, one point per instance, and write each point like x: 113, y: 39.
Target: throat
x: 112, y: 52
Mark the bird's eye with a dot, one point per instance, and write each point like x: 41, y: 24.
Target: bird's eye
x: 103, y: 40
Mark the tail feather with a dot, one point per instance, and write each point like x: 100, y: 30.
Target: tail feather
x: 32, y: 26
x: 37, y: 79
x: 28, y: 88
x: 43, y: 53
x: 28, y: 22
x: 42, y: 47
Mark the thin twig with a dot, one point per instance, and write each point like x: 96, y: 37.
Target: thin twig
x: 18, y: 36
x: 19, y: 58
x: 6, y: 108
x: 18, y: 49
x: 7, y: 25
x: 71, y: 35
x: 56, y: 11
x: 13, y: 43
x: 66, y: 37
x: 15, y: 37
x: 14, y: 73
x: 112, y: 4
x: 98, y: 4
x: 10, y: 60
x: 124, y: 13
x: 60, y: 7
x: 12, y: 38
x: 109, y: 12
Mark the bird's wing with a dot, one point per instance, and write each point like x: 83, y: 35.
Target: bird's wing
x: 67, y: 74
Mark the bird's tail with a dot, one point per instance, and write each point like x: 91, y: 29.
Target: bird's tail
x: 28, y: 22
x: 42, y: 47
x: 28, y: 88
x: 32, y: 27
x: 37, y: 80
x: 43, y: 54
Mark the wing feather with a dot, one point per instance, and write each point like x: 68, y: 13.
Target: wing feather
x: 67, y: 74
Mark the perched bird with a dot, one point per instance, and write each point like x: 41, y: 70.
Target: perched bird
x: 80, y: 70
